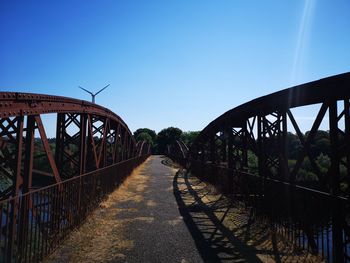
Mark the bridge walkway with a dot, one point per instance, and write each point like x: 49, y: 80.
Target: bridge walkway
x: 161, y: 214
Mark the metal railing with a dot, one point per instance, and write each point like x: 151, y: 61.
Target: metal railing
x: 35, y: 223
x: 296, y: 179
x: 304, y: 216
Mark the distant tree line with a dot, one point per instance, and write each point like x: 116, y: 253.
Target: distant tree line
x: 164, y: 138
x: 319, y: 150
x: 320, y: 144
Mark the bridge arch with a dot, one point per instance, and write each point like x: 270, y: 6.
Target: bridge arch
x: 245, y: 153
x: 88, y: 137
x: 262, y: 124
x: 48, y: 186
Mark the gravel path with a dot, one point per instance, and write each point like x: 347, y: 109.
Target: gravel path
x: 163, y: 214
x: 140, y: 222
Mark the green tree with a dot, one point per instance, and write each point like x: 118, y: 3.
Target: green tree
x: 293, y: 145
x: 167, y: 137
x: 140, y: 135
x: 144, y: 136
x: 320, y: 143
x: 189, y: 137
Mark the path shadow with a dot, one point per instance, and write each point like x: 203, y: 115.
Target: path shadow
x: 215, y: 241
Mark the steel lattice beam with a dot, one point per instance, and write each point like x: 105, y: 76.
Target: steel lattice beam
x: 259, y: 128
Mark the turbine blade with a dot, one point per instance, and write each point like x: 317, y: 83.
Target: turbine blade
x: 101, y: 89
x: 86, y: 90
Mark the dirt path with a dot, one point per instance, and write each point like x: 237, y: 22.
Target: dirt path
x: 161, y: 214
x: 139, y: 222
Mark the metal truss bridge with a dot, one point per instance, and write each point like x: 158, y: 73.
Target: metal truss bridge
x: 49, y: 186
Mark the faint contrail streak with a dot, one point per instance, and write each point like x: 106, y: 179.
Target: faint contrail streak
x: 303, y: 34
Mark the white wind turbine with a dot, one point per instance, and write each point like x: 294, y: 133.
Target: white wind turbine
x: 92, y: 94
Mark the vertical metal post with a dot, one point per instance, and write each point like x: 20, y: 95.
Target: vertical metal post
x: 89, y: 147
x: 29, y: 154
x: 82, y: 159
x: 212, y: 149
x: 333, y: 125
x: 229, y: 148
x: 127, y: 144
x: 283, y: 160
x: 82, y: 148
x: 91, y: 143
x: 116, y: 144
x: 129, y: 147
x: 244, y: 140
x: 223, y: 146
x: 123, y: 145
x: 103, y: 145
x: 60, y: 130
x: 16, y: 185
x: 337, y: 238
x: 228, y: 137
x: 27, y: 181
x: 347, y: 140
x: 261, y: 159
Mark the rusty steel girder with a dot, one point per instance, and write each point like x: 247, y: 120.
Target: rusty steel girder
x: 90, y: 140
x: 245, y: 150
x: 179, y: 152
x: 88, y: 137
x: 260, y: 126
x: 143, y: 147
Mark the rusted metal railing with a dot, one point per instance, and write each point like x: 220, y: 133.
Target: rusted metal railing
x: 261, y: 153
x: 35, y: 223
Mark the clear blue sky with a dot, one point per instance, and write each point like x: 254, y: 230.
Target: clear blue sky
x: 171, y: 63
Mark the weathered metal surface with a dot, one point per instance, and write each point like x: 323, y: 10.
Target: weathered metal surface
x: 47, y: 215
x: 17, y: 104
x: 46, y: 185
x: 331, y: 88
x: 315, y: 213
x: 101, y: 138
x: 143, y: 147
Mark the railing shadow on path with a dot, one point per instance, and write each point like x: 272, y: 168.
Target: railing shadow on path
x: 225, y: 232
x: 214, y: 241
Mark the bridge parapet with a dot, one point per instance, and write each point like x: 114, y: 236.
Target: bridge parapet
x: 246, y: 153
x: 89, y: 139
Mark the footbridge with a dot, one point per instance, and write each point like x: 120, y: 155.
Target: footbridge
x: 259, y: 156
x: 49, y: 186
x: 248, y: 153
